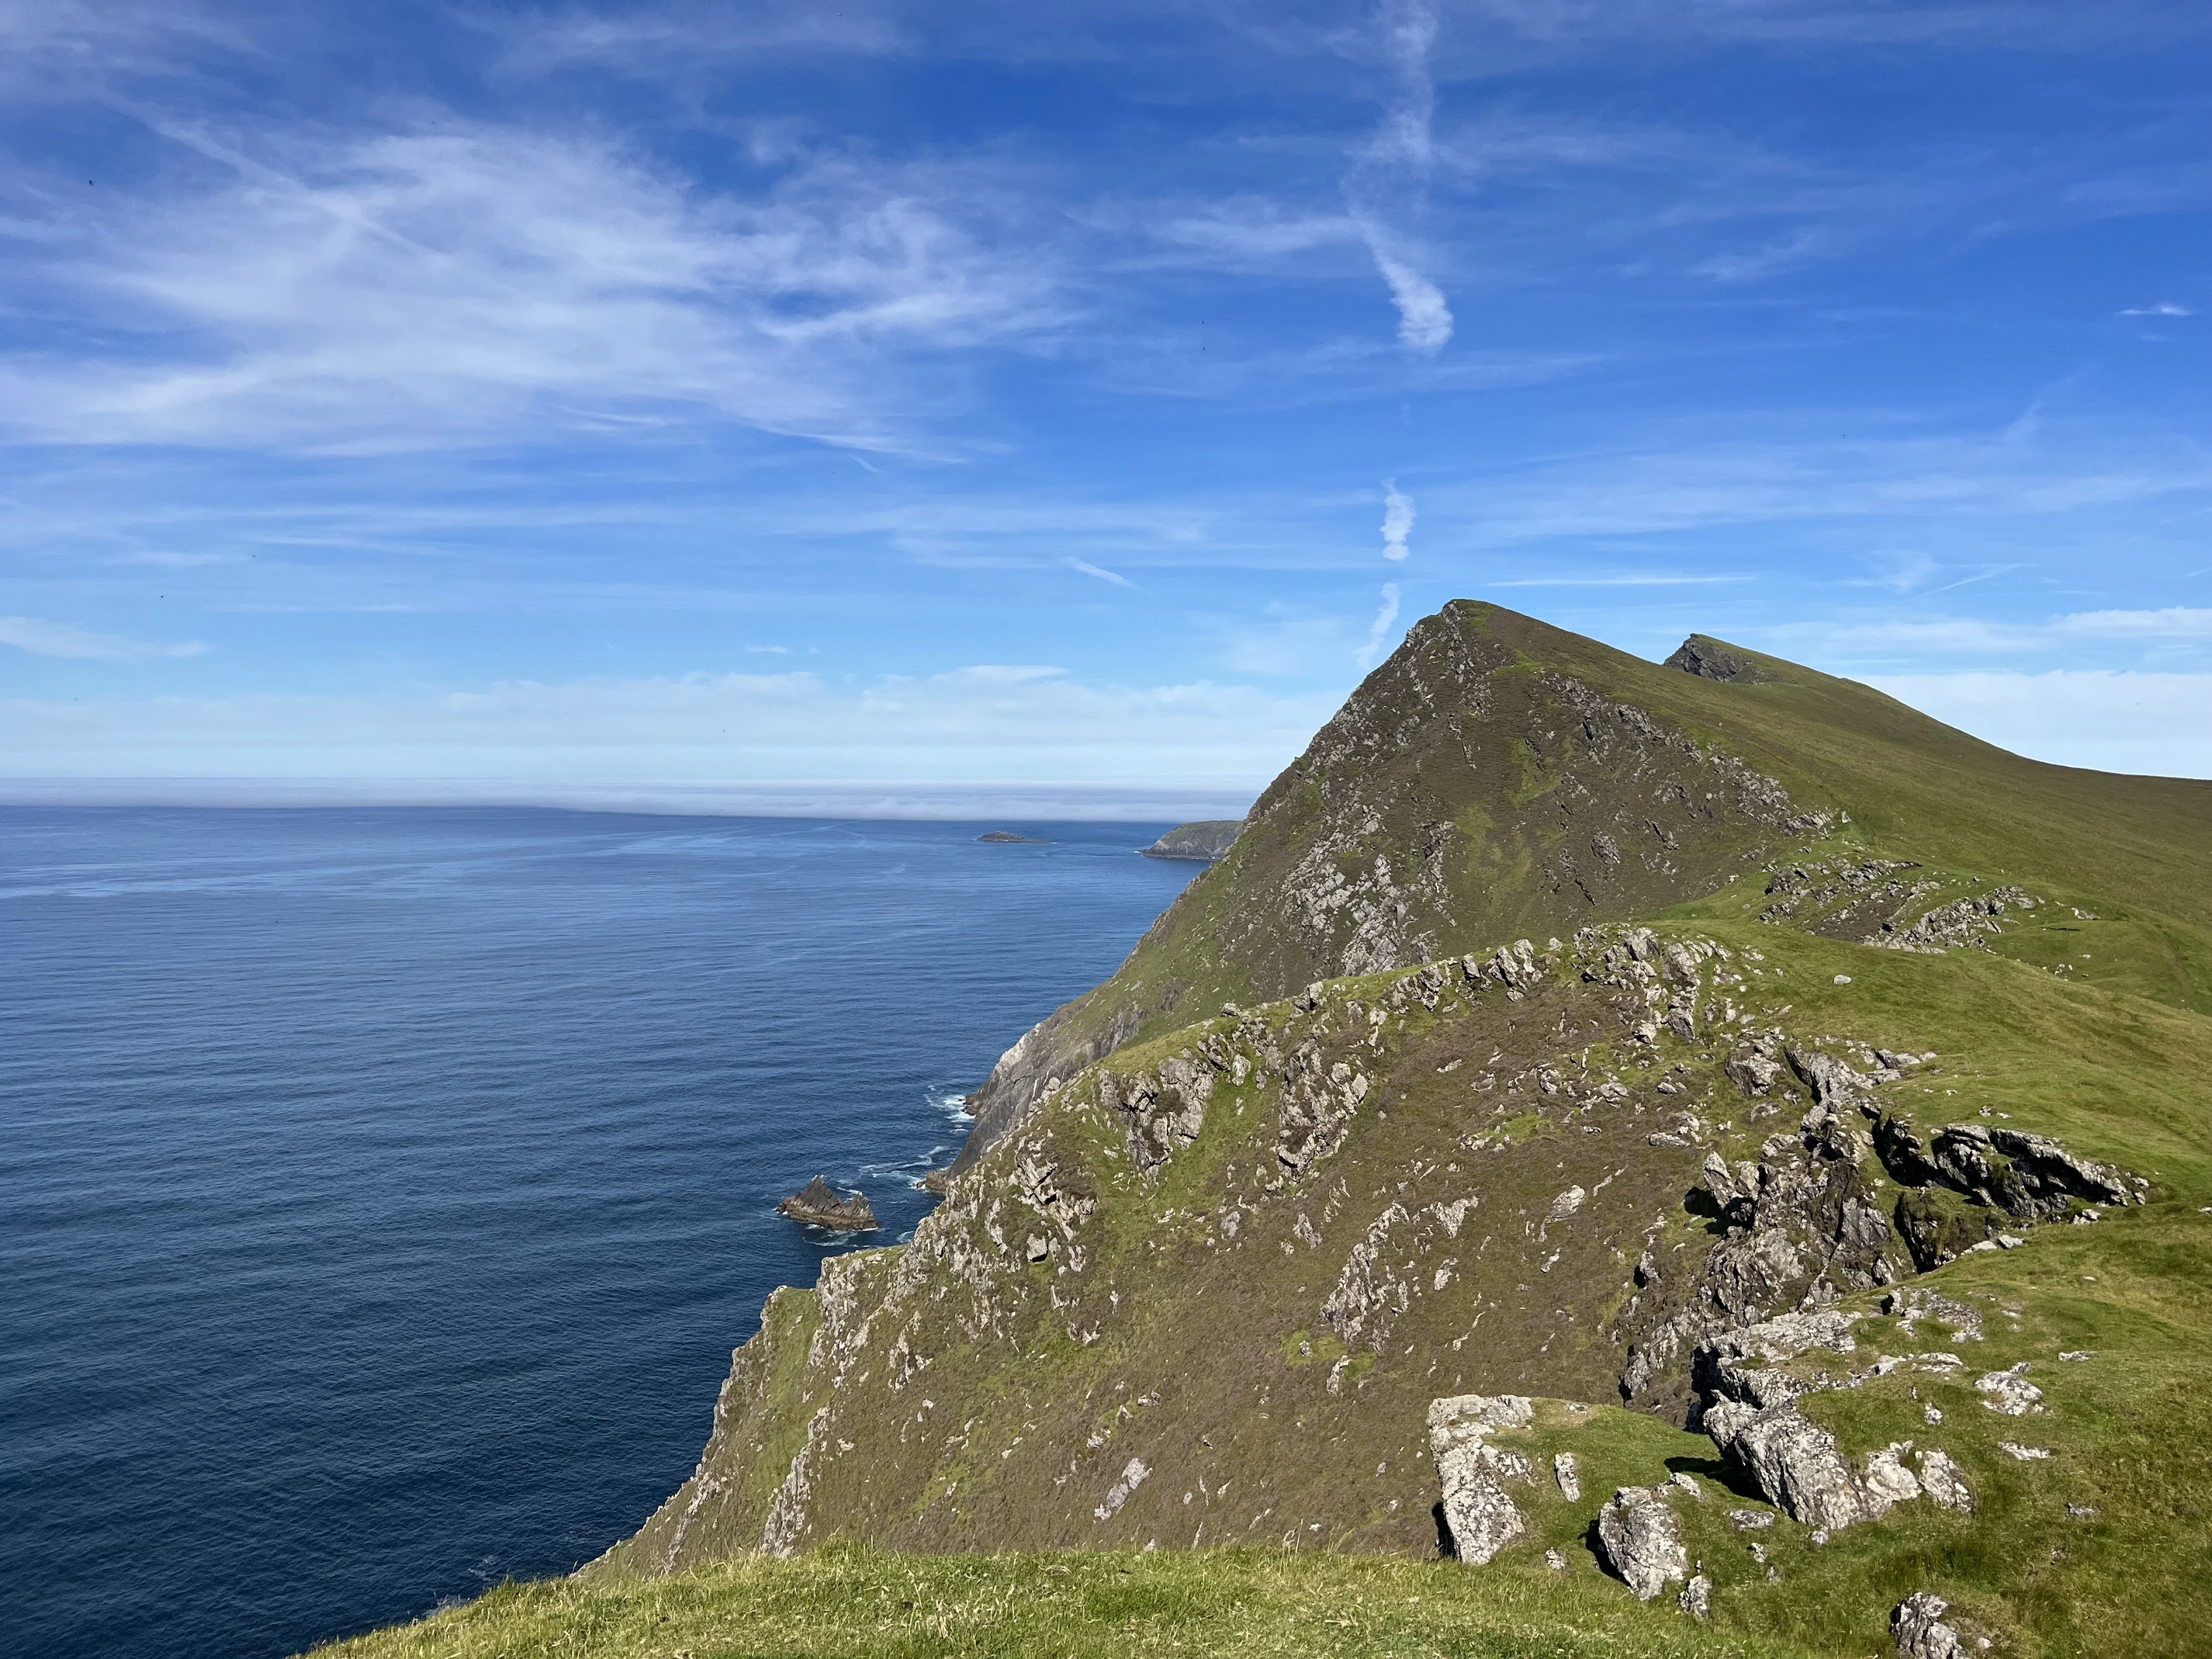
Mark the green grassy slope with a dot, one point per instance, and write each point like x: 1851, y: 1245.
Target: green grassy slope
x: 1499, y: 776
x: 849, y: 1604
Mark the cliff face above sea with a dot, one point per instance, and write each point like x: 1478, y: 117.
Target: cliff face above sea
x: 1703, y: 1124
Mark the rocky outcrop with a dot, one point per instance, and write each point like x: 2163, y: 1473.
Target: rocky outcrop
x: 2030, y: 1177
x: 1640, y: 1541
x: 1163, y: 1110
x: 1009, y: 835
x: 1479, y: 1514
x: 818, y: 1205
x: 1959, y: 1178
x: 1204, y: 840
x: 1710, y: 660
x: 1918, y: 1623
x: 1795, y: 1463
x: 1970, y: 922
x: 1750, y: 1383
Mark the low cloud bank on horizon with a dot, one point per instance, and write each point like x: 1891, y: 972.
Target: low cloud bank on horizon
x: 1011, y: 740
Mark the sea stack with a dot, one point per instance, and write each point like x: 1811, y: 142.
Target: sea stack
x: 816, y: 1204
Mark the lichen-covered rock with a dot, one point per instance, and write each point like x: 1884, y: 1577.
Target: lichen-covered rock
x: 1564, y: 1472
x: 1918, y: 1623
x: 2007, y: 1392
x: 1697, y: 1597
x: 1640, y: 1541
x: 1944, y: 1481
x: 2030, y: 1177
x: 1967, y: 922
x: 1480, y: 1514
x: 1886, y: 1481
x: 1727, y: 1365
x: 1795, y: 1462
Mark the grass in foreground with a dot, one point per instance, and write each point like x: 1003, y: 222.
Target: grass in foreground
x: 854, y: 1604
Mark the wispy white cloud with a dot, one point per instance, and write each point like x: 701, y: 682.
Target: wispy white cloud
x: 2163, y: 309
x: 1378, y: 632
x: 53, y: 639
x: 1914, y: 479
x: 470, y: 281
x: 1388, y: 186
x: 165, y: 559
x: 2173, y: 622
x: 1894, y: 639
x: 1397, y: 520
x: 682, y: 40
x: 1102, y: 574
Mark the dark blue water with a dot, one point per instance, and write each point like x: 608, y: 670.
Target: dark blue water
x: 382, y: 1192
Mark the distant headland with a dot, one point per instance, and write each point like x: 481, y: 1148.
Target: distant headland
x: 1204, y: 840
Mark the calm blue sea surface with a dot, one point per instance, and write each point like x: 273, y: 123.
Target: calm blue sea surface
x: 382, y: 1192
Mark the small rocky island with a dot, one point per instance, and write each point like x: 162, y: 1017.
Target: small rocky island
x: 1008, y: 834
x: 1205, y: 841
x: 818, y: 1205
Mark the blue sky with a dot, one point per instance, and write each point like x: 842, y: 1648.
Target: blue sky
x: 710, y: 396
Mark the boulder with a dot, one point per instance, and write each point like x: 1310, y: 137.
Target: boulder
x: 1570, y: 1483
x: 1918, y: 1623
x: 1697, y: 1597
x: 2007, y: 1392
x: 818, y: 1205
x: 1640, y: 1540
x: 1478, y: 1513
x: 1795, y: 1462
x: 1942, y: 1480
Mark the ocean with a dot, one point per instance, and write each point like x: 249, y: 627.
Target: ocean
x: 382, y: 1191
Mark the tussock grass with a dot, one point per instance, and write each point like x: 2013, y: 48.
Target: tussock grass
x: 845, y: 1603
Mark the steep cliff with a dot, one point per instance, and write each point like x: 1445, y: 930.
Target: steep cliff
x: 1824, y: 1197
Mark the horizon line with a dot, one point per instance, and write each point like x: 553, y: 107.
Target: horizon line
x: 1104, y: 803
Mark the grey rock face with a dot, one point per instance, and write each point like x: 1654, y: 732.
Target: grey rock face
x: 1912, y: 1304
x: 1164, y: 1111
x: 1738, y: 1364
x: 1803, y: 1231
x: 1966, y: 921
x: 1886, y: 1481
x: 1640, y: 1539
x: 1918, y: 1623
x: 1753, y: 1072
